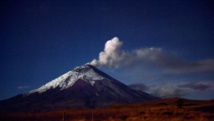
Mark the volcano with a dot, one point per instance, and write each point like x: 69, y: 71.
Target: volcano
x: 83, y: 87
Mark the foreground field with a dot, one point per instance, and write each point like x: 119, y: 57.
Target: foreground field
x: 174, y: 109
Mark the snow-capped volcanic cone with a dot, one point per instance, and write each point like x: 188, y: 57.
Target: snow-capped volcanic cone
x: 83, y: 87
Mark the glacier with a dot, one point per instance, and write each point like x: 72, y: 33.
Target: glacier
x: 68, y: 79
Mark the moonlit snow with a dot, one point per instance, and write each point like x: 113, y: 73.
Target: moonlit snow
x: 68, y: 79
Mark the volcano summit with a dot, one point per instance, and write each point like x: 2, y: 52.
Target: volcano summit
x: 83, y: 87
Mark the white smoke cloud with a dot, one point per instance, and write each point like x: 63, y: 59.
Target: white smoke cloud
x: 167, y: 90
x: 114, y: 57
x: 160, y: 90
x: 196, y: 86
x: 110, y: 53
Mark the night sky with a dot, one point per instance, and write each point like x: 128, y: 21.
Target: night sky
x: 43, y: 39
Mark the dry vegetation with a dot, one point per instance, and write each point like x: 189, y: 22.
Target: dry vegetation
x: 160, y: 110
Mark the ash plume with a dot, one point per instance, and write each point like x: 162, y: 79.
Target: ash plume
x: 114, y: 57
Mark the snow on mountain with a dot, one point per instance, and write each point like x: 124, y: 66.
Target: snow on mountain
x: 65, y: 81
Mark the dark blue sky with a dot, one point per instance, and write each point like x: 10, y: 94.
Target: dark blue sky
x: 42, y: 39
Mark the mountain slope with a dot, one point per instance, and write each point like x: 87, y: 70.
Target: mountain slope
x: 83, y: 87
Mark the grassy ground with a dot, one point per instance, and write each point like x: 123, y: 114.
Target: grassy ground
x: 160, y: 110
